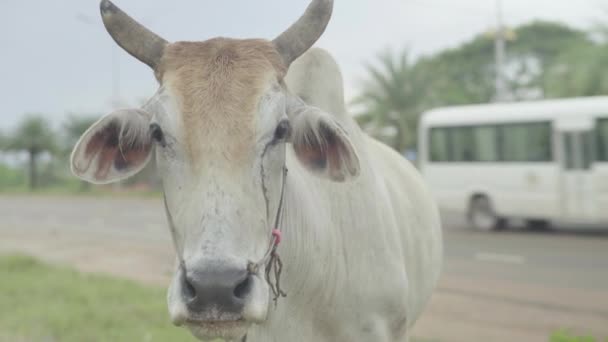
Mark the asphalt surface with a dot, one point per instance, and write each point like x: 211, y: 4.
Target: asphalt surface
x: 515, y: 285
x: 562, y: 256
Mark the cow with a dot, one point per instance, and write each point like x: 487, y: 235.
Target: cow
x: 289, y: 222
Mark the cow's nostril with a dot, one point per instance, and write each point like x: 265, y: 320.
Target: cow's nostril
x: 242, y: 290
x: 189, y: 291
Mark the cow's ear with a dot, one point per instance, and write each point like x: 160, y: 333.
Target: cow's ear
x: 114, y: 148
x: 323, y: 146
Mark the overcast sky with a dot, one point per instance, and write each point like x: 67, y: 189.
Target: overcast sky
x: 57, y: 58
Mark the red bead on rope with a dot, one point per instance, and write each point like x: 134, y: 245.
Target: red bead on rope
x: 277, y: 236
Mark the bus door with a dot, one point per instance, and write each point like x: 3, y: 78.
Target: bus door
x: 576, y: 185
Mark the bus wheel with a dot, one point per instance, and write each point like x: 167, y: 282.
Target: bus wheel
x: 482, y: 216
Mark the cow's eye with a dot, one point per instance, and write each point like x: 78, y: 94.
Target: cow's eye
x: 157, y: 133
x: 283, y: 131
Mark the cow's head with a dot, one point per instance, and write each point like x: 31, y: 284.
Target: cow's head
x: 219, y: 126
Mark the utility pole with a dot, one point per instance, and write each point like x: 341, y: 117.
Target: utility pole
x: 499, y: 55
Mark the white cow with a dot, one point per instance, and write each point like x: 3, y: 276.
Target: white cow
x: 357, y: 247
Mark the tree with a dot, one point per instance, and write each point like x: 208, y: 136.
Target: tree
x: 461, y: 75
x: 391, y: 97
x: 544, y: 45
x: 465, y: 74
x: 545, y: 60
x: 581, y: 71
x: 34, y: 136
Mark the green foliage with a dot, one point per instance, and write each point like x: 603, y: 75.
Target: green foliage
x: 11, y: 178
x: 583, y: 72
x: 545, y: 60
x: 466, y: 74
x: 565, y: 336
x: 57, y: 304
x: 391, y: 97
x: 461, y: 75
x: 33, y: 135
x: 546, y: 40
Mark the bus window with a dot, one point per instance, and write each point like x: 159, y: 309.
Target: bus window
x: 485, y: 144
x: 569, y: 151
x: 463, y: 144
x: 602, y: 140
x: 578, y: 150
x: 529, y: 142
x: 538, y: 140
x: 513, y: 143
x: 588, y: 152
x: 439, y: 145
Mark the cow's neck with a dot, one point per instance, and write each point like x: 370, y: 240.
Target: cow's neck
x: 309, y: 237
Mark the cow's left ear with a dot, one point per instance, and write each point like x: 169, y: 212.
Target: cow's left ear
x: 323, y: 146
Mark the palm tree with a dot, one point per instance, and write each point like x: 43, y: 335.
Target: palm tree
x: 391, y: 99
x: 34, y: 136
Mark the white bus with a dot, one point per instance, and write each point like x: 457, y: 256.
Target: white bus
x: 543, y: 161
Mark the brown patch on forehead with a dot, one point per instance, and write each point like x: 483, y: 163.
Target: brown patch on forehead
x: 217, y: 84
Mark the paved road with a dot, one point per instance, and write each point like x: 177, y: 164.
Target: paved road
x: 508, y: 286
x: 518, y: 285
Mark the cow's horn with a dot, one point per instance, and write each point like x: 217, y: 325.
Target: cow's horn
x: 137, y: 40
x: 292, y: 43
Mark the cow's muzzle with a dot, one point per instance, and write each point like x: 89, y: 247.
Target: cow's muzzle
x: 218, y: 299
x: 224, y: 290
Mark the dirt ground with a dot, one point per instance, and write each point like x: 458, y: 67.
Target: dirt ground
x: 523, y: 296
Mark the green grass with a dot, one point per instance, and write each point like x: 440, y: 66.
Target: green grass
x: 566, y: 336
x: 39, y: 302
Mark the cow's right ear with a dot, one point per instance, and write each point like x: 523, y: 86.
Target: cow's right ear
x: 323, y: 146
x: 114, y: 148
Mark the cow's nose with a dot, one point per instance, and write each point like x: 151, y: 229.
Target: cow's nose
x: 224, y: 289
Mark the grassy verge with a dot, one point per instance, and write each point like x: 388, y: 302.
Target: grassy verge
x: 46, y: 303
x: 566, y: 336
